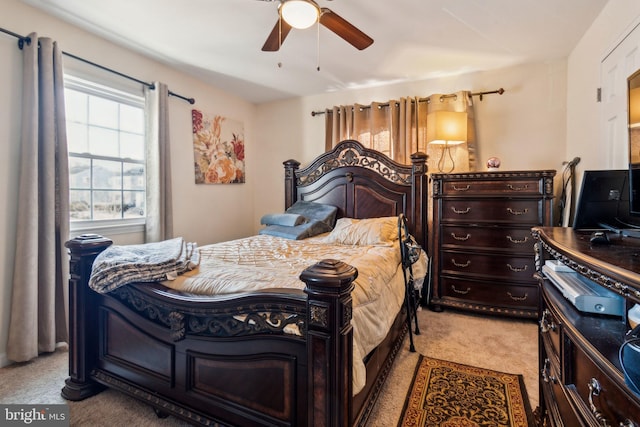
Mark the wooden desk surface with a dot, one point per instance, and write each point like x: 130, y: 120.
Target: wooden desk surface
x: 615, y: 265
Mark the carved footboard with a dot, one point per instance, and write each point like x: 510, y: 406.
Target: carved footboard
x: 213, y: 360
x: 228, y: 359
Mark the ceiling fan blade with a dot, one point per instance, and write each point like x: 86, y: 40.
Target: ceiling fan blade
x: 344, y: 29
x: 277, y: 36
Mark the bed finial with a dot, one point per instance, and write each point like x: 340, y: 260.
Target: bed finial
x: 290, y: 184
x: 82, y: 316
x: 329, y: 311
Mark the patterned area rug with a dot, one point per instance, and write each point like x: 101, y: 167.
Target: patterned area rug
x: 449, y: 394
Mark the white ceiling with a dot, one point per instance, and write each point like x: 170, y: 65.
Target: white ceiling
x: 220, y: 41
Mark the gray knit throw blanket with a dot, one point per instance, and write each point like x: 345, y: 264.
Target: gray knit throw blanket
x: 149, y: 262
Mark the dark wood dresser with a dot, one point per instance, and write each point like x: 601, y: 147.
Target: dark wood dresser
x: 481, y: 245
x: 581, y: 380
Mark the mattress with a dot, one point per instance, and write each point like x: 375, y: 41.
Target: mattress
x: 264, y: 262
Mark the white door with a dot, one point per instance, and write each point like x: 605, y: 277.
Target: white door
x: 620, y: 63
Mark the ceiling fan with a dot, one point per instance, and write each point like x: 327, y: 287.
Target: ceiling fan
x: 304, y: 13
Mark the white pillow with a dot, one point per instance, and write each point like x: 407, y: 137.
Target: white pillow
x: 369, y: 231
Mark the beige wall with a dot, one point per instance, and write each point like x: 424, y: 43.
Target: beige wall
x: 203, y: 213
x: 524, y: 127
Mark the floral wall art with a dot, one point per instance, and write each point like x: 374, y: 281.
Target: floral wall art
x: 218, y: 149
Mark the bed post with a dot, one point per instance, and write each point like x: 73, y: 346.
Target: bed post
x: 83, y: 316
x: 420, y: 190
x: 329, y: 342
x: 290, y: 185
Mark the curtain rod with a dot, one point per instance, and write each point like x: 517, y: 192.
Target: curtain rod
x: 428, y: 99
x: 22, y: 39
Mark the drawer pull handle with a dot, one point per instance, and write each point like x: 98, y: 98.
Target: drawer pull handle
x: 457, y: 264
x: 517, y: 269
x: 594, y: 390
x: 627, y: 423
x: 461, y: 238
x: 546, y: 322
x: 515, y: 212
x: 522, y: 298
x: 546, y: 377
x: 458, y: 291
x: 514, y: 188
x: 460, y: 212
x: 512, y: 240
x: 461, y: 188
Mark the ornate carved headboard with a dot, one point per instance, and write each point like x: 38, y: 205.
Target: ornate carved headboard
x: 363, y: 183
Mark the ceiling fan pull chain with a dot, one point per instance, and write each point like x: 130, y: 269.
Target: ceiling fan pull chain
x: 279, y: 37
x: 279, y: 32
x: 318, y: 45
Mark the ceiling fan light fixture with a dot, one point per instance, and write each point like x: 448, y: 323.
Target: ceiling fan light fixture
x: 299, y: 14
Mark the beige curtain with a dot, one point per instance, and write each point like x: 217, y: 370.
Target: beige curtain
x: 398, y: 128
x: 159, y: 211
x: 39, y: 302
x: 387, y: 127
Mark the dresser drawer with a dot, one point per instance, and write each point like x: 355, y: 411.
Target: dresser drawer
x: 489, y: 265
x: 500, y: 238
x: 511, y: 211
x: 550, y: 334
x: 502, y: 188
x: 608, y: 400
x: 490, y: 293
x: 556, y: 399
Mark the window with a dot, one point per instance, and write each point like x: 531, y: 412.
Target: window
x: 106, y: 142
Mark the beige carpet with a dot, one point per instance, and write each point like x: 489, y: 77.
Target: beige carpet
x: 494, y: 343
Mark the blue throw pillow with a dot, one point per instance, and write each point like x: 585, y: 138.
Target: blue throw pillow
x: 302, y: 231
x: 286, y: 219
x: 315, y: 211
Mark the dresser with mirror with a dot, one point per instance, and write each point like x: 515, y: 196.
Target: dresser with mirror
x: 582, y: 382
x: 589, y: 363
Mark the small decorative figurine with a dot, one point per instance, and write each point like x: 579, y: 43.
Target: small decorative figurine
x: 493, y: 164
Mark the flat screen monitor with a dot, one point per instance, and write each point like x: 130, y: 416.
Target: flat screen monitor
x: 603, y: 202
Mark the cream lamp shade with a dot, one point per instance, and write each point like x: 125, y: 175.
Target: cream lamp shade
x: 446, y: 127
x: 299, y: 14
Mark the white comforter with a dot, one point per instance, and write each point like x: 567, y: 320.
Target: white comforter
x: 260, y: 262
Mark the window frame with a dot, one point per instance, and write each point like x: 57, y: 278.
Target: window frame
x: 125, y: 95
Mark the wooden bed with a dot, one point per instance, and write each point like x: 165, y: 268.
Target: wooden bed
x: 149, y: 342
